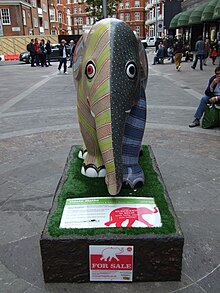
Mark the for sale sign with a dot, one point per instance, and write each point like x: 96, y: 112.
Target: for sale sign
x: 111, y: 263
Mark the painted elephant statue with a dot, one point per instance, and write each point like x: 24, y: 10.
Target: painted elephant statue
x: 110, y: 71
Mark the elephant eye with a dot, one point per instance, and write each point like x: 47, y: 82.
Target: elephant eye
x: 90, y: 70
x: 131, y: 69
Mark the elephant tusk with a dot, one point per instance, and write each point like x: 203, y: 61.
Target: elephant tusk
x: 128, y: 111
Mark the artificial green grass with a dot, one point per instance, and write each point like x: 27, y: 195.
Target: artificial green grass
x: 79, y: 186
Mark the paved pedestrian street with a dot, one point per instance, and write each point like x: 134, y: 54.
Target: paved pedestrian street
x: 38, y: 122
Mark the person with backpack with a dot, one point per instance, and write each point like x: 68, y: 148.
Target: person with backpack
x: 31, y: 49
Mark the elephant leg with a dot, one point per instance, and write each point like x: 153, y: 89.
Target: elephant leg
x: 133, y: 175
x: 93, y: 164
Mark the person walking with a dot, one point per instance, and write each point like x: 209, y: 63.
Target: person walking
x: 72, y: 48
x: 207, y: 51
x: 212, y: 95
x: 178, y: 53
x: 213, y: 53
x: 63, y: 56
x: 200, y: 52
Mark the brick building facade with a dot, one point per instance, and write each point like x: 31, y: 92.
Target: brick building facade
x: 61, y: 17
x: 24, y: 17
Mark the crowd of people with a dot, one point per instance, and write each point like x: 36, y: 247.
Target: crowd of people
x: 40, y: 53
x: 175, y: 49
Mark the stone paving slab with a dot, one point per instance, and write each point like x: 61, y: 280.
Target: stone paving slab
x: 38, y: 126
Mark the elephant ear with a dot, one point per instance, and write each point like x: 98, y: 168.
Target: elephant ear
x: 144, y: 64
x: 143, y: 61
x: 78, y: 57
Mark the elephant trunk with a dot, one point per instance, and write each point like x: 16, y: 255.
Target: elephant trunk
x: 110, y: 138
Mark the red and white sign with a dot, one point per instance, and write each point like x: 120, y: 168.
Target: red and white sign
x: 111, y: 263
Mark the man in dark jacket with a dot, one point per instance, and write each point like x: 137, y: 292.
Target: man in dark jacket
x: 63, y: 56
x: 32, y: 52
x: 212, y: 95
x: 200, y: 52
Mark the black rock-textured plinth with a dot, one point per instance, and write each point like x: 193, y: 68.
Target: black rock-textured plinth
x: 156, y: 257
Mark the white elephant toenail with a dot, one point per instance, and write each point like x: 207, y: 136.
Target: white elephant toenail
x: 91, y: 172
x: 83, y: 171
x: 128, y: 111
x: 102, y: 173
x: 82, y: 155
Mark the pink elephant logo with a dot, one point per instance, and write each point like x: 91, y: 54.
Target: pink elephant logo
x: 118, y: 216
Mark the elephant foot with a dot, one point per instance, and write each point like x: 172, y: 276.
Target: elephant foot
x: 133, y: 177
x: 91, y: 170
x: 82, y: 153
x: 132, y: 185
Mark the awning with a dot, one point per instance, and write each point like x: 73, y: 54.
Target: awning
x: 216, y: 14
x: 173, y: 23
x: 208, y: 12
x: 183, y: 19
x: 196, y: 15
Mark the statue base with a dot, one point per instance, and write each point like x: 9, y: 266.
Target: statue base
x: 156, y: 257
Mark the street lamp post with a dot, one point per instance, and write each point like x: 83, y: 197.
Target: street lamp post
x: 156, y: 21
x: 104, y: 7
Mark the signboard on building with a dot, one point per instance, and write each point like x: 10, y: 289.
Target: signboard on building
x: 171, y: 8
x: 16, y: 29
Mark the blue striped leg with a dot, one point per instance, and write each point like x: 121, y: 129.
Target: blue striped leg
x: 133, y: 175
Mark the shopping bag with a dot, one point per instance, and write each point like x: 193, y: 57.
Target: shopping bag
x: 211, y: 116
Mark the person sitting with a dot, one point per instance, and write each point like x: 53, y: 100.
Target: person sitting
x: 170, y: 53
x: 159, y: 55
x: 212, y: 95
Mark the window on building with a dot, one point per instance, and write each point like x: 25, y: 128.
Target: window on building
x: 87, y: 20
x: 137, y: 3
x: 44, y: 7
x: 35, y: 22
x: 58, y: 1
x: 53, y: 32
x: 138, y: 30
x: 5, y: 16
x: 68, y: 1
x: 52, y: 14
x: 46, y: 26
x: 34, y: 3
x: 59, y: 16
x: 151, y: 31
x: 127, y: 16
x: 80, y: 20
x: 127, y: 5
x: 80, y: 10
x: 151, y: 14
x: 137, y: 15
x: 75, y: 10
x: 121, y: 16
x: 24, y: 17
x: 121, y: 6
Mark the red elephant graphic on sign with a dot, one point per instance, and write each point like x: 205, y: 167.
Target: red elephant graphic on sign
x: 118, y: 216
